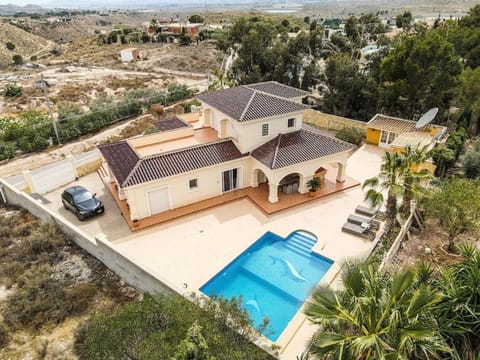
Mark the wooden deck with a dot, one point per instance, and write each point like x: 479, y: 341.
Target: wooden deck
x: 258, y: 195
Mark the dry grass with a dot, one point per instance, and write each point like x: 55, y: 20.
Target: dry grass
x: 53, y: 284
x: 434, y: 238
x: 115, y: 83
x: 76, y: 92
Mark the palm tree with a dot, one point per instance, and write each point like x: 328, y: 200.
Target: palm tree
x: 376, y: 316
x: 412, y: 177
x: 458, y: 313
x: 390, y: 179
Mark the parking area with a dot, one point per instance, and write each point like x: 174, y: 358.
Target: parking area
x: 190, y: 250
x: 110, y: 223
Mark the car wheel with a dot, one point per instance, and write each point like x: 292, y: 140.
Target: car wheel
x: 64, y: 205
x: 80, y: 217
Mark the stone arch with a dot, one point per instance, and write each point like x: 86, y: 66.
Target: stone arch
x: 259, y: 177
x: 291, y: 182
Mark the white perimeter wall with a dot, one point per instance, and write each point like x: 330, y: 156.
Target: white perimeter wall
x: 209, y: 185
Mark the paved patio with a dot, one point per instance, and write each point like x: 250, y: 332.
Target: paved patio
x: 192, y: 249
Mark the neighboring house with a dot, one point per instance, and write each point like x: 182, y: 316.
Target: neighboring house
x: 191, y: 30
x: 395, y: 134
x: 129, y: 54
x: 246, y: 136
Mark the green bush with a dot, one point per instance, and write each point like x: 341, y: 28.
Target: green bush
x: 7, y: 150
x: 456, y: 141
x: 10, y: 46
x: 12, y: 90
x: 471, y: 164
x: 17, y: 59
x: 3, y: 334
x: 33, y: 58
x: 351, y: 135
x: 40, y: 299
x: 154, y: 328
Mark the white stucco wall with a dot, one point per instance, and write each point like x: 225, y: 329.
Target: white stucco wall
x: 209, y: 185
x: 248, y: 134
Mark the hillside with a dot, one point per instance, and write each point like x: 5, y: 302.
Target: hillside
x: 26, y: 44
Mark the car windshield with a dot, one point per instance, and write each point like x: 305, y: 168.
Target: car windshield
x: 82, y: 196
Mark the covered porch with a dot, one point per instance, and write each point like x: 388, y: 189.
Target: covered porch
x: 284, y: 188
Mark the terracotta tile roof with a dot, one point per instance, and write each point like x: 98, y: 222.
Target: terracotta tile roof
x: 243, y: 104
x: 170, y: 124
x: 297, y: 147
x: 130, y: 170
x: 391, y: 124
x: 181, y: 161
x: 277, y: 89
x: 121, y: 159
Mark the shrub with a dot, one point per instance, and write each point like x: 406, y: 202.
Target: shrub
x: 41, y: 299
x: 12, y: 90
x: 33, y: 58
x: 10, y: 46
x: 472, y: 164
x: 154, y: 328
x: 17, y: 59
x: 351, y: 135
x: 7, y: 150
x: 3, y: 334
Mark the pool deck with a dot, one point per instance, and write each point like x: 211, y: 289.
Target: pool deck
x: 191, y: 249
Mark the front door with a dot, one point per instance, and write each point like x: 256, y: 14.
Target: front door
x: 230, y: 180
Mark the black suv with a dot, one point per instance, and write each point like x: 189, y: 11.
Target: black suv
x: 81, y: 202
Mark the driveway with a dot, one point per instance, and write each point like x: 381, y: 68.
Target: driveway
x: 110, y: 223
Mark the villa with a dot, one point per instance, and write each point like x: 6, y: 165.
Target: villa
x: 245, y: 137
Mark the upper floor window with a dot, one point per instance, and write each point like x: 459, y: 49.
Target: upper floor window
x: 265, y: 129
x: 193, y: 184
x: 291, y: 122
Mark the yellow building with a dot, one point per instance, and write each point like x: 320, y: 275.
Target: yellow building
x: 395, y: 134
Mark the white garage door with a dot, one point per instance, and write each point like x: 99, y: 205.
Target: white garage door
x: 158, y: 200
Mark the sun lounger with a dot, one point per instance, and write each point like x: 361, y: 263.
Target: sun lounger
x: 359, y: 220
x: 366, y: 211
x: 358, y: 230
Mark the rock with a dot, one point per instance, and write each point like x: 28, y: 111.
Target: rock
x: 428, y: 251
x: 73, y: 268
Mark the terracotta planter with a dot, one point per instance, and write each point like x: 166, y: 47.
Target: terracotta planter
x: 312, y: 193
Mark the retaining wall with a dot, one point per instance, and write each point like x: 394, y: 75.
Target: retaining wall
x: 331, y: 122
x: 133, y: 274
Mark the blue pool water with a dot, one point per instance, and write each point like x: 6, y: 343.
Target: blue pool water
x: 274, y: 276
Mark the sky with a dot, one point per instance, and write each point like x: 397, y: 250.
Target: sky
x: 113, y: 3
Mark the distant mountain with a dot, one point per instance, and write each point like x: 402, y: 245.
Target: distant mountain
x: 11, y: 9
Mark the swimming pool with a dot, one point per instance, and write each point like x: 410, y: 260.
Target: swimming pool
x: 274, y: 276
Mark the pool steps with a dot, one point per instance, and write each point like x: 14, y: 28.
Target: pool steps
x: 300, y: 243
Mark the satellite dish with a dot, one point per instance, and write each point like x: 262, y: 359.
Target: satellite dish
x: 426, y: 118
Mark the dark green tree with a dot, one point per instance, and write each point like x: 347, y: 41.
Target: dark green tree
x: 196, y: 19
x: 404, y: 20
x: 420, y: 73
x: 17, y: 59
x: 455, y: 203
